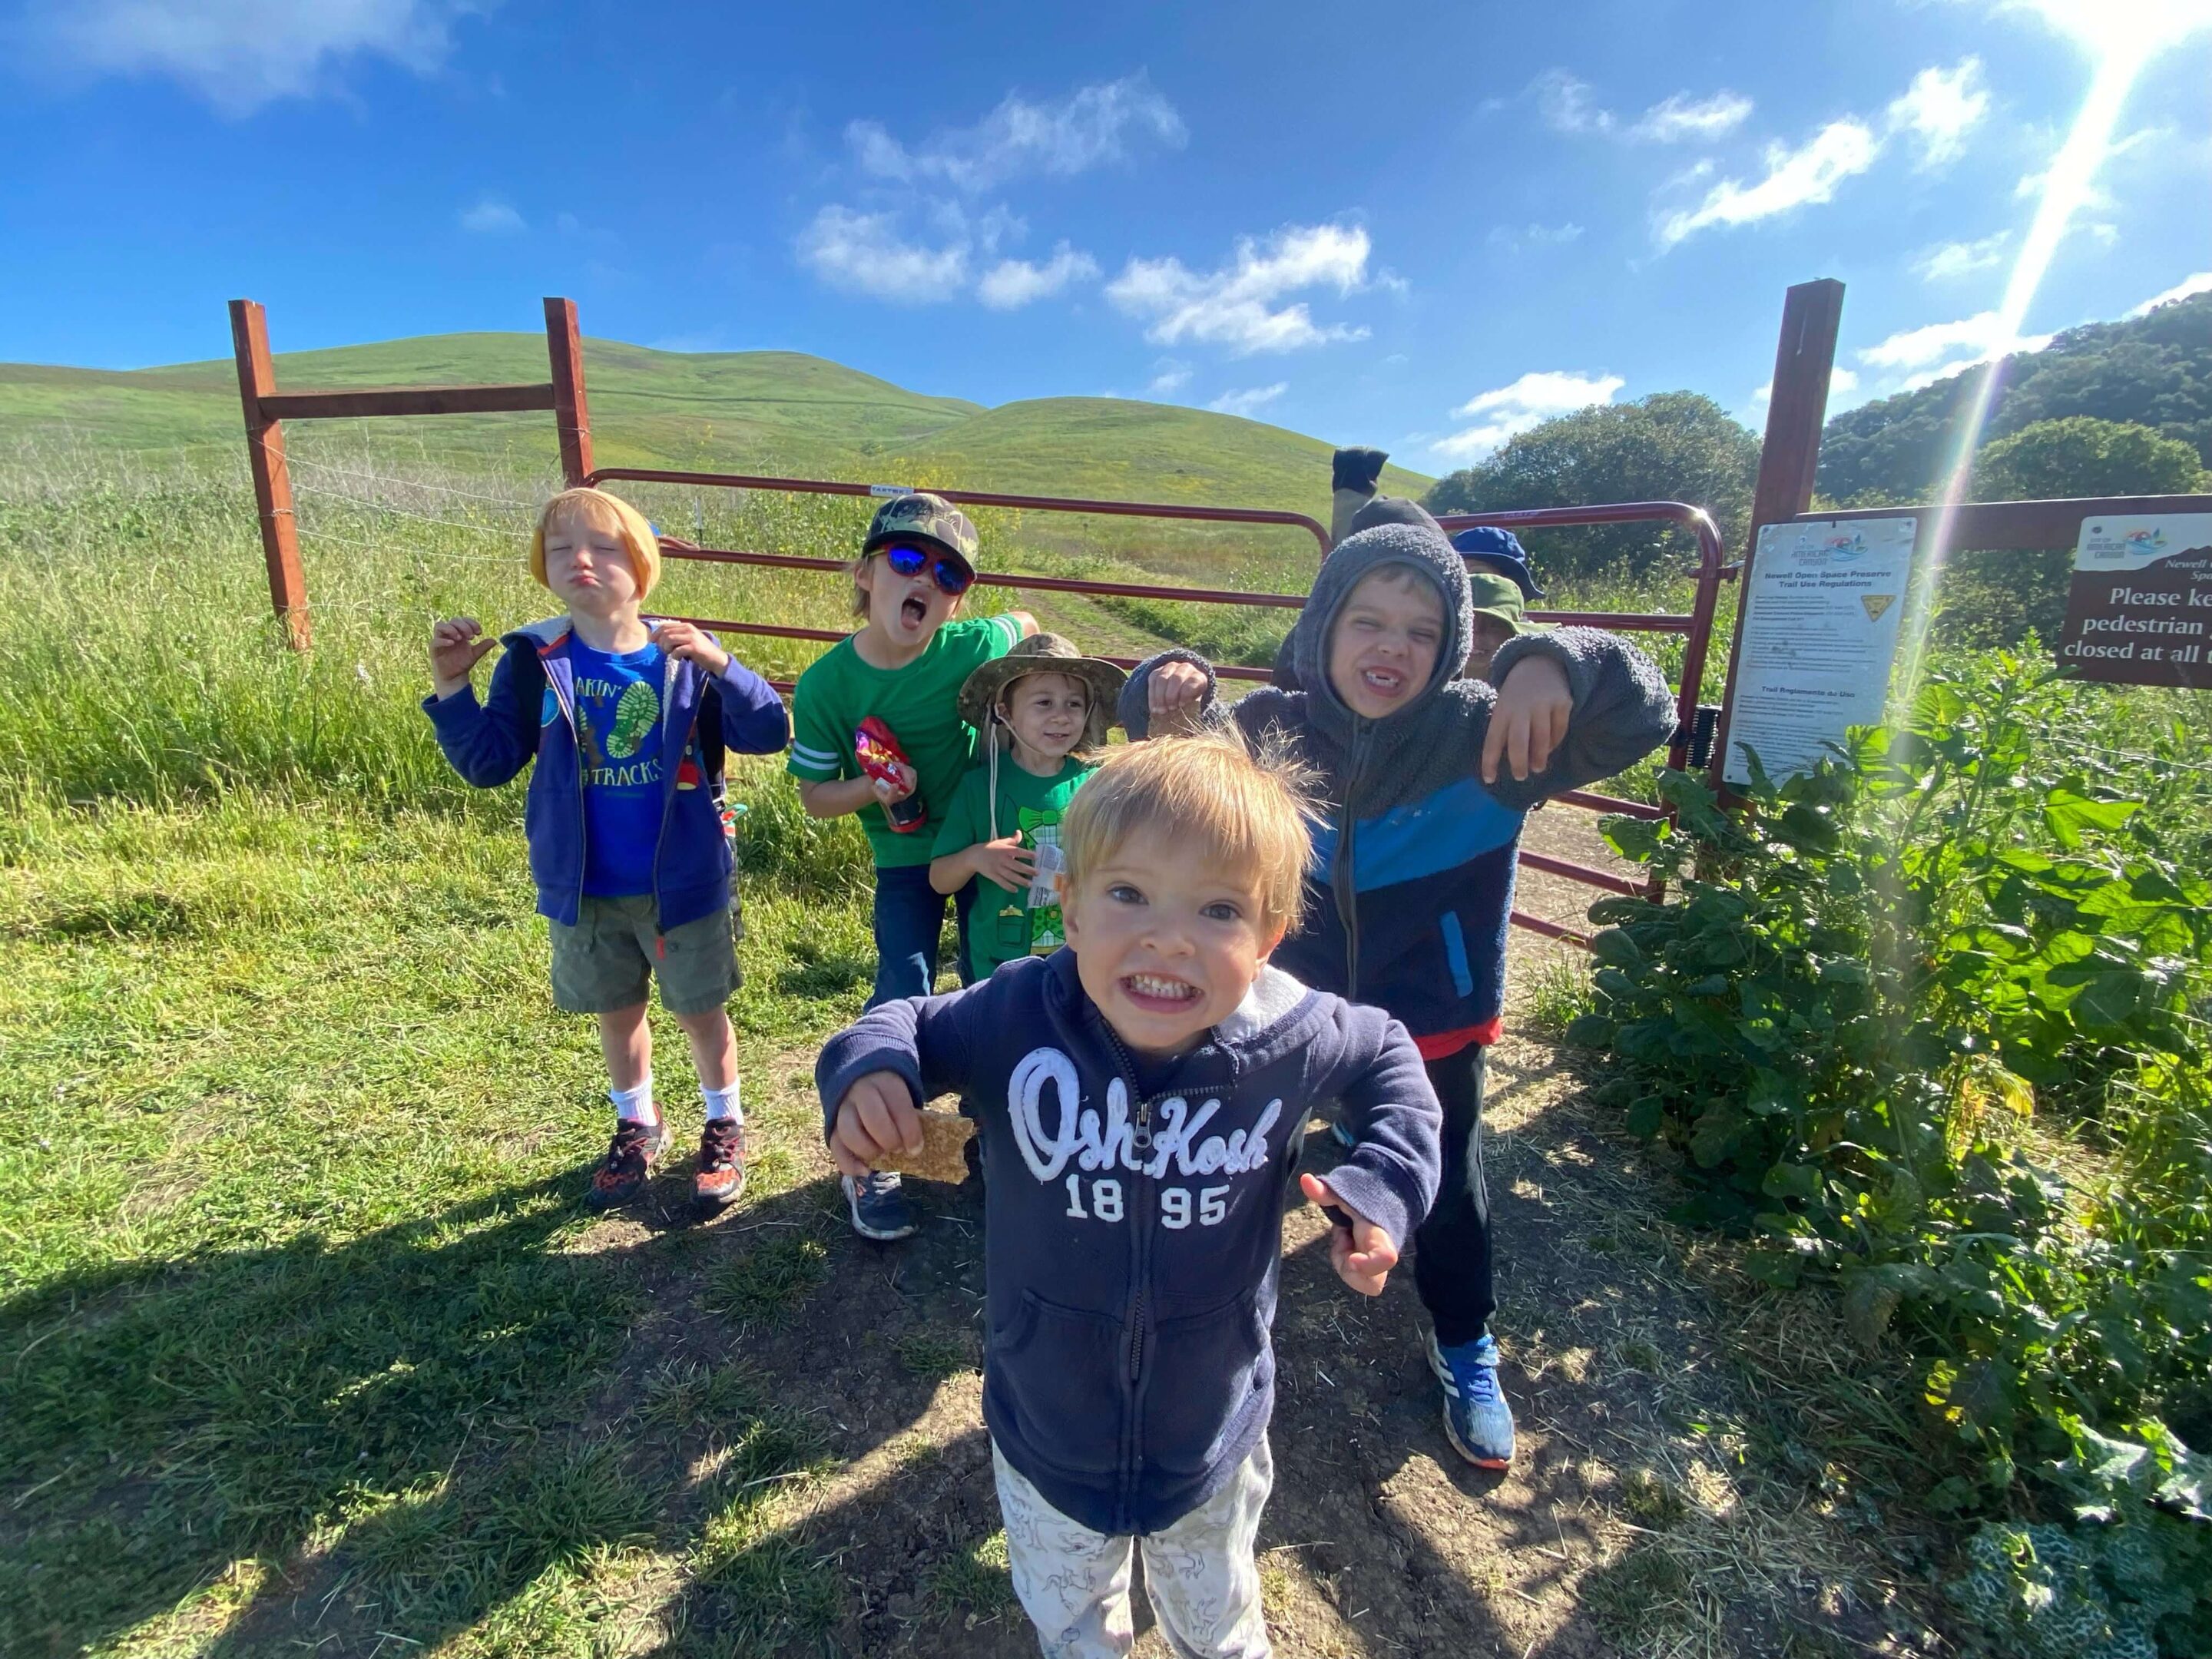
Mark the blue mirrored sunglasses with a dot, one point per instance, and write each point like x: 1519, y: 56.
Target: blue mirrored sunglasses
x: 952, y: 576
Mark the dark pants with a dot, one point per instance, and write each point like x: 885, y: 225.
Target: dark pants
x: 1451, y: 1248
x: 909, y: 916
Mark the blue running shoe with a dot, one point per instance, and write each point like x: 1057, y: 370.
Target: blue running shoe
x: 878, y: 1205
x: 1477, y: 1420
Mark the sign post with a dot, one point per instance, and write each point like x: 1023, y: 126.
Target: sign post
x: 1818, y: 637
x: 2140, y: 613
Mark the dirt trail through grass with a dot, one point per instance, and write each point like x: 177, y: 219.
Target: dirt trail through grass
x: 1631, y: 1523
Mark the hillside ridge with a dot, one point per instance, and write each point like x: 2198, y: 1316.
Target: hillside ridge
x: 766, y: 411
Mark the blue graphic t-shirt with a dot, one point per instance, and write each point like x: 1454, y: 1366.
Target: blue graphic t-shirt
x: 618, y: 734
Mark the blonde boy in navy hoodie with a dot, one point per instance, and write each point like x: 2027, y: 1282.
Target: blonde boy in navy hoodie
x: 1142, y: 1094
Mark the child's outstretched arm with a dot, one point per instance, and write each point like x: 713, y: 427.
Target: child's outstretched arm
x: 488, y: 743
x: 1574, y: 705
x: 1169, y: 694
x: 1381, y: 1192
x: 753, y: 718
x: 875, y: 1074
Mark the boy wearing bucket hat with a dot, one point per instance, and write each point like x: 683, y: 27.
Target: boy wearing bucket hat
x: 1046, y: 706
x: 899, y: 676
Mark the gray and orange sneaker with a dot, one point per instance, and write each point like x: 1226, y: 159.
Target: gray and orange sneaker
x: 721, y: 1174
x: 630, y: 1157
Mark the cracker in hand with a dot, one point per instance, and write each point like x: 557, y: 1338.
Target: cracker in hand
x: 945, y: 1136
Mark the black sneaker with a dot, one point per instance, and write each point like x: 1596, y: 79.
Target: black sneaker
x: 621, y: 1174
x: 721, y: 1174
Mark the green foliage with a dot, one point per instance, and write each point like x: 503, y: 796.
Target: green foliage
x: 2122, y: 1578
x: 2155, y: 371
x: 2081, y: 455
x: 1671, y: 445
x: 1847, y: 1006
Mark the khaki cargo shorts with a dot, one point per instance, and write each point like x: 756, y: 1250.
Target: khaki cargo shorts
x: 607, y: 961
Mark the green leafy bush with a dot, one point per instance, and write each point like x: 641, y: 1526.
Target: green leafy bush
x: 1843, y: 1012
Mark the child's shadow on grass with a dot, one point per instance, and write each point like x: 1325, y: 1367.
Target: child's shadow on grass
x: 406, y: 1431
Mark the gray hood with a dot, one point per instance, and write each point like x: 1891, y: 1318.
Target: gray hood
x: 1305, y: 649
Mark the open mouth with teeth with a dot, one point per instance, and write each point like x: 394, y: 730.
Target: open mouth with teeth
x: 1383, y: 682
x: 1158, y: 993
x: 914, y: 610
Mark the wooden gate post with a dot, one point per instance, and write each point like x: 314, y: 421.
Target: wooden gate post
x: 564, y: 349
x: 1796, y: 409
x: 272, y: 478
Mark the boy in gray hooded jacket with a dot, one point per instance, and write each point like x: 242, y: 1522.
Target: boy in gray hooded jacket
x: 1426, y: 778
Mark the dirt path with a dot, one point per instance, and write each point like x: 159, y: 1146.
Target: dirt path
x: 1629, y: 1524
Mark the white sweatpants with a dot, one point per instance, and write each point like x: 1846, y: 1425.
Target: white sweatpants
x: 1201, y: 1573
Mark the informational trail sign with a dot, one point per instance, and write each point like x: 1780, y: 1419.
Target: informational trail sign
x: 1820, y: 634
x: 2140, y: 609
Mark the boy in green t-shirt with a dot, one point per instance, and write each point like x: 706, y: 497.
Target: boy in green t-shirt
x: 1048, y: 705
x: 902, y: 672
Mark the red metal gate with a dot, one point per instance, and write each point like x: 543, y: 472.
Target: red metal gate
x: 562, y: 393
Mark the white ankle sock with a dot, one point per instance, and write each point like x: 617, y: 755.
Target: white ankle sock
x: 635, y: 1105
x: 722, y: 1102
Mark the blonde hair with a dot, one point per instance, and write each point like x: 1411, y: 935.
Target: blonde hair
x: 1221, y: 803
x: 644, y: 547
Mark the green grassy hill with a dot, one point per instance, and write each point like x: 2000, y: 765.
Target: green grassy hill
x: 773, y: 412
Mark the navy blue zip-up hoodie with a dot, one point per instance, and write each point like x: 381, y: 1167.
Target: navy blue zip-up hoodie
x: 531, y: 713
x: 1132, y: 1238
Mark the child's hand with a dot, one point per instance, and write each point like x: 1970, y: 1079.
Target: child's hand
x: 876, y: 1118
x: 1173, y: 695
x: 683, y: 639
x: 909, y: 781
x: 1362, y: 1253
x: 457, y: 645
x: 1005, y: 861
x: 1529, y: 720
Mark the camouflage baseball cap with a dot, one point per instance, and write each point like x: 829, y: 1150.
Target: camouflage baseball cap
x: 923, y: 518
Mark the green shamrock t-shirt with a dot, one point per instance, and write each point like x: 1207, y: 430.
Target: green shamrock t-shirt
x: 1002, y: 924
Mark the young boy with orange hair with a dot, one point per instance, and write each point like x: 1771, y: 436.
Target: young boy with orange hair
x: 626, y: 717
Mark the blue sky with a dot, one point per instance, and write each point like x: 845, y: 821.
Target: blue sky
x: 1424, y: 226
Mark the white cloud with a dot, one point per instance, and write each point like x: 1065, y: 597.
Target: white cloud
x: 864, y: 253
x: 1168, y: 378
x: 1794, y: 178
x: 492, y: 217
x: 1952, y: 260
x: 1092, y: 126
x: 1567, y: 105
x: 2197, y: 282
x: 1939, y: 108
x: 1682, y: 117
x: 1529, y: 401
x: 1513, y: 238
x: 242, y: 54
x: 1236, y: 306
x: 1244, y: 403
x: 1013, y: 283
x: 1915, y: 357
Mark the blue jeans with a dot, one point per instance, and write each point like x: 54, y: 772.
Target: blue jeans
x: 909, y: 915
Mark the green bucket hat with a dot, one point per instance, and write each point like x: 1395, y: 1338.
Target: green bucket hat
x: 1499, y: 599
x: 921, y: 517
x: 1045, y: 654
